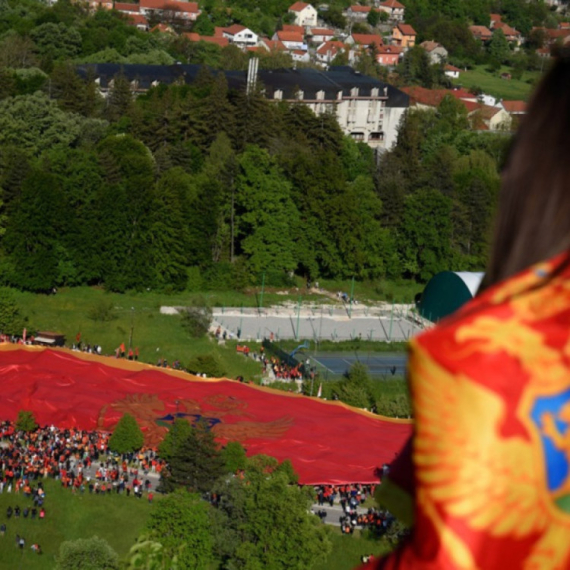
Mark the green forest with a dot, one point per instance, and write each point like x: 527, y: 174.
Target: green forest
x: 201, y: 187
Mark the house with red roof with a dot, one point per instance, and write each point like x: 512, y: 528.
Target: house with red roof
x: 481, y: 33
x: 514, y: 107
x: 512, y: 35
x: 291, y: 40
x: 452, y: 71
x: 357, y: 12
x: 394, y: 9
x: 293, y: 28
x: 481, y: 117
x: 182, y: 10
x: 404, y: 35
x: 389, y: 56
x: 127, y: 8
x: 365, y: 40
x: 320, y: 35
x: 436, y: 52
x: 495, y: 18
x: 217, y: 40
x: 272, y: 45
x: 305, y: 14
x: 327, y: 51
x: 239, y: 35
x: 137, y: 20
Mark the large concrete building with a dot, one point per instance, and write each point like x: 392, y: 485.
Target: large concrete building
x: 367, y: 109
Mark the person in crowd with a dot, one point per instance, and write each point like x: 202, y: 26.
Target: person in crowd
x: 485, y: 479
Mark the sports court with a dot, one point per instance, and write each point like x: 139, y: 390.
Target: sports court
x: 380, y: 365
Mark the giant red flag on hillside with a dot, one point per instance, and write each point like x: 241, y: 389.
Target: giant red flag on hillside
x: 327, y: 442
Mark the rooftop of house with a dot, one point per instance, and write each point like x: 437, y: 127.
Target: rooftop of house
x: 514, y: 106
x: 507, y: 30
x: 234, y: 29
x: 293, y: 28
x: 368, y: 39
x: 332, y: 46
x: 289, y: 36
x: 394, y: 4
x: 127, y: 7
x: 298, y: 6
x: 357, y: 8
x: 407, y: 30
x: 322, y: 32
x: 430, y: 45
x: 274, y: 45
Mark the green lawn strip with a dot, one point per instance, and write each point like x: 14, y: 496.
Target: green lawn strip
x: 348, y: 550
x: 492, y: 84
x: 116, y: 518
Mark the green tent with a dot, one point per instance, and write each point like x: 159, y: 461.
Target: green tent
x: 446, y: 292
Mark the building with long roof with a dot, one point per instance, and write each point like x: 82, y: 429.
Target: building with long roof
x: 367, y: 109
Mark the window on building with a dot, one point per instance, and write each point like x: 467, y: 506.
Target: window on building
x: 376, y: 136
x: 357, y: 136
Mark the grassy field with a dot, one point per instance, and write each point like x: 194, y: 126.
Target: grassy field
x: 347, y: 550
x: 492, y: 84
x: 116, y: 518
x: 156, y: 335
x: 119, y: 520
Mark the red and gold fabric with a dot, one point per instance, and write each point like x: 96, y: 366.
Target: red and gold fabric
x: 490, y: 455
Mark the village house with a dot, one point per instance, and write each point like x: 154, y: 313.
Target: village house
x: 389, y: 56
x: 367, y: 109
x: 218, y: 40
x: 394, y: 9
x: 238, y: 35
x: 127, y: 8
x: 138, y: 20
x: 320, y: 35
x: 481, y: 117
x: 436, y: 52
x: 271, y: 45
x: 357, y: 13
x: 291, y: 40
x: 513, y: 36
x: 514, y: 108
x: 305, y: 14
x: 451, y: 71
x: 327, y: 51
x: 365, y: 40
x: 404, y: 35
x: 481, y: 33
x: 174, y: 8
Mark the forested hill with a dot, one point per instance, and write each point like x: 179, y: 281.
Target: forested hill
x: 195, y: 186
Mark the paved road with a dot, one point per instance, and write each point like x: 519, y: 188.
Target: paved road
x: 334, y: 513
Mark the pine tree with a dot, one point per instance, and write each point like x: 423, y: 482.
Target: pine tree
x: 127, y: 436
x: 196, y: 462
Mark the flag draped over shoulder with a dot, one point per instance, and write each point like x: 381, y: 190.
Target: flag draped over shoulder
x: 488, y: 469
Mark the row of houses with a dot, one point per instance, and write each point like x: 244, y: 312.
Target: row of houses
x: 484, y: 114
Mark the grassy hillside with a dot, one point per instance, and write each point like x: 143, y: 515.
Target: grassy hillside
x: 116, y: 518
x: 492, y: 84
x: 156, y: 335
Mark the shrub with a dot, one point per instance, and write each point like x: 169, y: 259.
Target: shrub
x: 127, y: 436
x: 26, y: 421
x: 208, y: 364
x: 87, y: 554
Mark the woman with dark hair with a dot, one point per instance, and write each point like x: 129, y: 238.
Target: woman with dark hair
x: 485, y: 480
